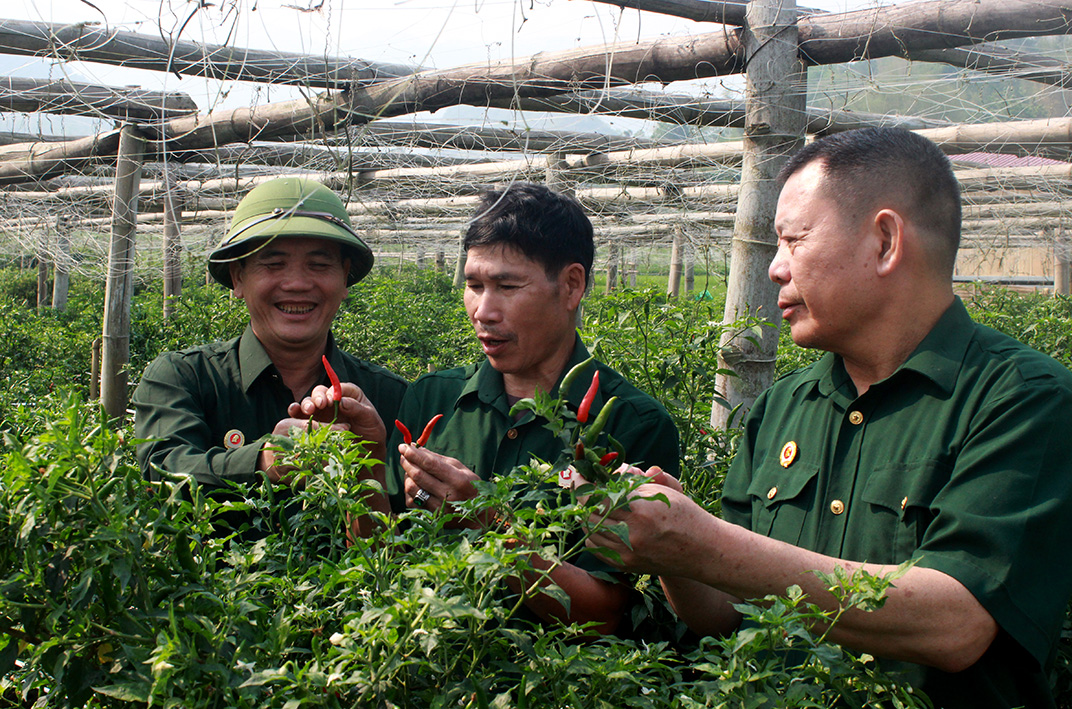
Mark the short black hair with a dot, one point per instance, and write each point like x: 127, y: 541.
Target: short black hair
x: 548, y: 227
x: 867, y: 164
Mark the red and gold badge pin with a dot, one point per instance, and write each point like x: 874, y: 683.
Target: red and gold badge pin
x: 789, y: 454
x: 234, y: 439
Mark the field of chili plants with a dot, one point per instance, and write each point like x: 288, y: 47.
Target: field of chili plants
x: 118, y: 592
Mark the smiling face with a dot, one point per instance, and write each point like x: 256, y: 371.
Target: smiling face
x: 524, y: 320
x: 292, y: 288
x: 823, y: 267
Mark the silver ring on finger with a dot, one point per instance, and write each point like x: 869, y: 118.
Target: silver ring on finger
x: 420, y: 497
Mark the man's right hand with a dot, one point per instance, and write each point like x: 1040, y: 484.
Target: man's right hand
x: 266, y: 460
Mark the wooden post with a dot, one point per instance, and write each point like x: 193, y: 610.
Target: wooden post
x: 61, y: 265
x: 115, y: 351
x: 1061, y: 268
x: 613, y: 258
x: 631, y: 267
x: 94, y: 369
x: 673, y: 286
x: 459, y: 268
x: 440, y: 260
x: 775, y: 86
x: 690, y: 268
x: 42, y: 272
x: 420, y: 257
x: 172, y: 246
x: 553, y: 176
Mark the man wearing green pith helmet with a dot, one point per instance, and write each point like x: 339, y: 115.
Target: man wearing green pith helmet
x: 291, y: 254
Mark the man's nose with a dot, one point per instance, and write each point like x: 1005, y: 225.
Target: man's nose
x: 778, y: 270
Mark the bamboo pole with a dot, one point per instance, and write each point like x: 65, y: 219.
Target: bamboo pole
x: 172, y: 248
x: 613, y: 257
x: 775, y: 95
x: 823, y: 39
x: 86, y: 42
x: 115, y: 352
x: 673, y: 285
x: 690, y: 270
x: 62, y: 265
x: 1062, y: 275
x: 459, y: 267
x: 42, y: 271
x: 80, y: 99
x: 95, y: 369
x: 730, y: 12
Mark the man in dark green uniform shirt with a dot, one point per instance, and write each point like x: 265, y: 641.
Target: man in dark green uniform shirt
x: 920, y: 435
x: 290, y: 254
x: 529, y: 254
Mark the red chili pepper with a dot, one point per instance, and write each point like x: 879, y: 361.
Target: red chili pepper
x: 406, y: 435
x: 586, y: 402
x: 608, y: 458
x: 578, y: 451
x: 336, y: 385
x: 428, y: 430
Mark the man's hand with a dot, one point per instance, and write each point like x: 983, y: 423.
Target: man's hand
x: 442, y: 479
x: 652, y: 524
x: 266, y: 460
x: 355, y: 413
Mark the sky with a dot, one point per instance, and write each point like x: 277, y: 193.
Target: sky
x: 436, y: 34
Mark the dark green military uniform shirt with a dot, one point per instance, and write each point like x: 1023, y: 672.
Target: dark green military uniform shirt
x: 211, y: 407
x: 477, y: 428
x: 957, y: 460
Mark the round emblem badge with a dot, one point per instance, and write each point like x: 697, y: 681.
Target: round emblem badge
x: 789, y: 454
x: 234, y: 439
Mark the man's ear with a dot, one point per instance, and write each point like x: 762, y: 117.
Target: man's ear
x: 573, y: 279
x: 891, y: 231
x: 235, y: 268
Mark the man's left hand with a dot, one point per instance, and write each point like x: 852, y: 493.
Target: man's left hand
x: 355, y: 412
x: 442, y: 479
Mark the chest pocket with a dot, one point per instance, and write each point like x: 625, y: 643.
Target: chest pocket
x: 781, y: 500
x: 902, y: 497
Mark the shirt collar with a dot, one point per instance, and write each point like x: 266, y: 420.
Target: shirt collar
x: 488, y: 385
x: 941, y: 353
x: 253, y: 360
x: 938, y: 356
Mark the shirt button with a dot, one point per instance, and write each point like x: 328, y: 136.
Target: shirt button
x: 856, y: 418
x: 904, y: 502
x: 511, y: 434
x: 837, y: 507
x: 772, y: 492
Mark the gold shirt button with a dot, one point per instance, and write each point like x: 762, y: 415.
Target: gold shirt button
x: 772, y: 492
x: 837, y: 507
x: 511, y: 434
x: 856, y: 418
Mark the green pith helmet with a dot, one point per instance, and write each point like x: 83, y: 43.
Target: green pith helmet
x: 285, y: 208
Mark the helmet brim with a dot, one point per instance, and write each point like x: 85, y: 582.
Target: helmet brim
x: 251, y: 235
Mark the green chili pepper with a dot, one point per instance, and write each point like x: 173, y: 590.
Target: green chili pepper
x: 183, y: 552
x: 601, y: 420
x: 563, y: 388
